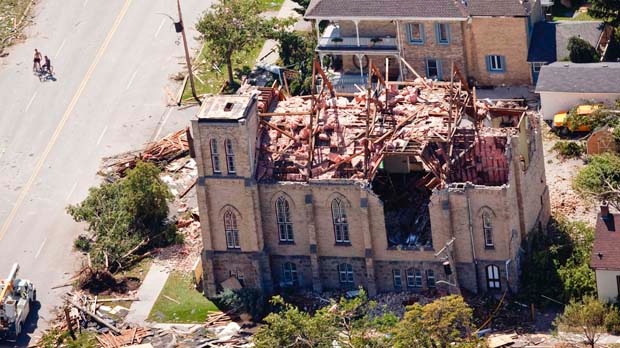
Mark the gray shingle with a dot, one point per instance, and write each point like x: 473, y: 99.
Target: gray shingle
x: 385, y: 8
x: 579, y: 78
x: 549, y: 39
x: 416, y: 8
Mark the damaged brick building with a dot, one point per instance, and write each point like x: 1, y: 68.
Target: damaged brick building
x: 386, y: 189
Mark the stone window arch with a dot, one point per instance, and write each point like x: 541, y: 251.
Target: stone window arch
x: 215, y: 156
x: 231, y: 230
x: 340, y: 221
x: 230, y: 156
x: 487, y: 228
x: 283, y: 219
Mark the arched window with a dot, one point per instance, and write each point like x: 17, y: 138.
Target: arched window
x: 414, y: 278
x: 345, y: 274
x: 230, y: 156
x: 289, y: 274
x: 487, y: 228
x: 341, y: 226
x: 283, y: 218
x: 493, y: 280
x: 232, y: 232
x: 215, y: 157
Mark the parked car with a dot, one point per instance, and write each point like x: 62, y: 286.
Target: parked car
x: 562, y: 125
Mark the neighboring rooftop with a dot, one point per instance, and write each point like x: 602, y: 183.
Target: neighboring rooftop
x: 606, y: 248
x: 579, y: 78
x: 227, y: 108
x: 393, y: 9
x: 410, y: 9
x: 550, y: 39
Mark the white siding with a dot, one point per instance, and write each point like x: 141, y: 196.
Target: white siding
x: 554, y: 102
x: 606, y: 285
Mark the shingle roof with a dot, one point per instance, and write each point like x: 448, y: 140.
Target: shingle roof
x: 496, y: 8
x: 579, y: 78
x: 385, y: 8
x: 606, y: 243
x: 416, y: 8
x: 549, y: 39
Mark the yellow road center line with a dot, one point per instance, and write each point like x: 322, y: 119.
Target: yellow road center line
x: 37, y: 169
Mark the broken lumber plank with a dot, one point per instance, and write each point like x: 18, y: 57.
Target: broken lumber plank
x: 94, y: 316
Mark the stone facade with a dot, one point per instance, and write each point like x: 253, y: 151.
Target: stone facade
x: 233, y: 203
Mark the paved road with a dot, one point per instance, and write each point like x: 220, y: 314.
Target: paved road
x: 112, y: 61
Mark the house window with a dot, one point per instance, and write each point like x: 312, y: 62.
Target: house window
x: 345, y: 273
x: 496, y: 64
x: 215, y: 157
x: 230, y: 156
x: 232, y: 232
x: 398, y: 281
x: 487, y: 228
x: 289, y: 274
x: 283, y: 218
x: 341, y: 226
x: 414, y: 278
x: 618, y: 284
x: 442, y: 31
x: 415, y: 33
x: 493, y: 281
x: 430, y: 278
x: 433, y: 69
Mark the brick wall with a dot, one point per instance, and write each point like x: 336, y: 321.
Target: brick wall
x: 417, y: 54
x: 505, y: 36
x: 385, y: 279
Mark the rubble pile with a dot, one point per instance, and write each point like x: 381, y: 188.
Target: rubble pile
x: 162, y: 152
x: 397, y: 302
x: 436, y: 124
x: 183, y: 257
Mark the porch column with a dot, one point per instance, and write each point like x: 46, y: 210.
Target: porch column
x: 357, y: 31
x: 400, y: 68
x: 318, y: 32
x: 360, y: 58
x: 321, y: 56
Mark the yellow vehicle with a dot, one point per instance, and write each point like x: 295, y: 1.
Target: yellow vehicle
x: 563, y: 126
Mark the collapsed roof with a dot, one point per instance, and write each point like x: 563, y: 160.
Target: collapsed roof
x: 437, y: 126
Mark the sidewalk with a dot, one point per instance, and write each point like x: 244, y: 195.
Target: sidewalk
x: 148, y: 293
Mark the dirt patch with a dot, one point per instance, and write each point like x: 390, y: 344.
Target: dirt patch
x: 100, y: 282
x: 12, y: 20
x: 565, y: 202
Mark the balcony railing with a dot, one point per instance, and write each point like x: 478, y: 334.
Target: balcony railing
x: 334, y: 43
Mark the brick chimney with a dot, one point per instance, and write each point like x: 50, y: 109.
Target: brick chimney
x: 604, y: 210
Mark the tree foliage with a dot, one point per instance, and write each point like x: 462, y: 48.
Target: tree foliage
x: 586, y: 317
x: 606, y: 10
x: 297, y: 53
x: 125, y: 216
x: 443, y: 323
x: 600, y: 179
x: 233, y: 25
x: 580, y: 51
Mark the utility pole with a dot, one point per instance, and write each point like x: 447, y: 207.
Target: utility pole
x: 179, y: 27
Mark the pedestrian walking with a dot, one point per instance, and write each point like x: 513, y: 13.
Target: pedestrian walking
x: 37, y: 60
x: 48, y: 65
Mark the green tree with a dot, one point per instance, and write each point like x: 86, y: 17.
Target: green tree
x: 125, y: 216
x: 297, y: 53
x: 345, y: 322
x: 600, y: 179
x: 580, y: 51
x: 606, y: 10
x: 586, y: 317
x: 576, y: 274
x: 444, y: 322
x: 231, y: 26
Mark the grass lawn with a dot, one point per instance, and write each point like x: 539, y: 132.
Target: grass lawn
x: 213, y: 79
x: 193, y: 307
x: 11, y: 11
x: 210, y: 80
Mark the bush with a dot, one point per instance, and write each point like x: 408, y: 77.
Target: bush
x: 569, y: 149
x: 581, y: 51
x: 612, y: 321
x: 245, y: 300
x: 82, y: 243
